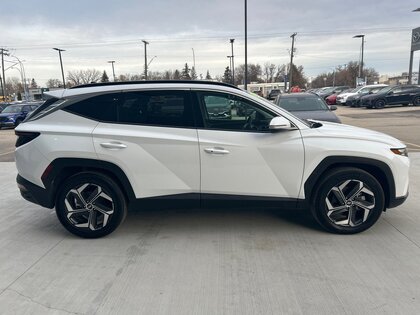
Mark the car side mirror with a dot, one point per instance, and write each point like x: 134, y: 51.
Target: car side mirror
x: 332, y: 107
x: 390, y: 92
x: 280, y: 123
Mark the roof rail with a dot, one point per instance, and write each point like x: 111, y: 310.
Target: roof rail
x: 154, y: 82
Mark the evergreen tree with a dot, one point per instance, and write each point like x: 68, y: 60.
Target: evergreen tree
x: 227, y: 76
x: 185, y: 74
x: 104, y: 77
x: 208, y: 76
x: 177, y: 74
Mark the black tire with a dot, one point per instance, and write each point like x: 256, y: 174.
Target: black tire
x: 416, y: 100
x: 379, y: 104
x: 109, y: 199
x: 334, y: 221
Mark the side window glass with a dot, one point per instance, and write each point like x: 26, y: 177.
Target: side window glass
x: 26, y: 109
x: 160, y: 108
x: 101, y: 107
x: 228, y: 112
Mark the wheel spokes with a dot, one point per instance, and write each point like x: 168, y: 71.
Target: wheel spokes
x: 89, y: 206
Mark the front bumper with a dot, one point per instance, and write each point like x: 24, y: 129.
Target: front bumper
x: 34, y: 193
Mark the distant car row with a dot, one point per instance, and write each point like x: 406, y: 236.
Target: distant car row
x: 371, y: 96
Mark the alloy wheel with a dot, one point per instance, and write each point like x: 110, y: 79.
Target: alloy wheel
x: 349, y: 204
x: 88, y: 206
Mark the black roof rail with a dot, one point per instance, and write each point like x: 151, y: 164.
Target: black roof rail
x: 154, y: 82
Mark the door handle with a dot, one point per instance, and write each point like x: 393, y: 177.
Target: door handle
x: 113, y: 145
x: 216, y: 150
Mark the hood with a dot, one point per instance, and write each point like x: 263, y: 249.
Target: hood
x: 8, y: 114
x: 346, y: 132
x: 322, y: 115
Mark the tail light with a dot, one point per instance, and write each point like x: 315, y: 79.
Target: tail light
x: 25, y: 137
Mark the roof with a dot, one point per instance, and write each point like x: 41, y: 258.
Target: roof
x: 153, y: 82
x: 134, y: 85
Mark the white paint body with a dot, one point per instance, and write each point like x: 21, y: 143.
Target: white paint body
x: 162, y: 161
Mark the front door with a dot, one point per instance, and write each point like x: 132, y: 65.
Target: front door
x: 240, y: 156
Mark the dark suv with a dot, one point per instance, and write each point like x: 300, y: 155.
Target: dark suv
x: 391, y: 95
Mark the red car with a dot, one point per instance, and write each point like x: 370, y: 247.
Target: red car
x: 332, y: 99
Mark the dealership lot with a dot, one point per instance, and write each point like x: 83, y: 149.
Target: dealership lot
x: 212, y: 262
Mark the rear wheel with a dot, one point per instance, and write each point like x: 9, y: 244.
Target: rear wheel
x: 348, y: 200
x: 416, y: 100
x: 90, y: 205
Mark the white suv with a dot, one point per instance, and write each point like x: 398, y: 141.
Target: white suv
x: 94, y: 151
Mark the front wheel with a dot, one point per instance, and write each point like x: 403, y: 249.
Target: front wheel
x: 348, y: 200
x: 416, y: 100
x: 380, y: 104
x: 90, y: 205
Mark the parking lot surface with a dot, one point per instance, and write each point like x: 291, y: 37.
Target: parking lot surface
x: 208, y: 262
x: 214, y: 261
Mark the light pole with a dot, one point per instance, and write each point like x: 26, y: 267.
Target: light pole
x: 193, y: 57
x: 291, y: 61
x: 23, y: 75
x: 61, y: 64
x: 233, y: 61
x: 246, y: 49
x: 230, y: 64
x: 362, y: 36
x: 145, y: 58
x: 113, y: 71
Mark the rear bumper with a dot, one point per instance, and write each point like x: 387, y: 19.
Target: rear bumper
x: 34, y: 193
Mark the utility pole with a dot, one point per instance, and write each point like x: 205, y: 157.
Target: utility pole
x: 291, y: 61
x: 145, y: 58
x: 113, y: 72
x: 233, y: 62
x: 246, y: 49
x: 3, y: 52
x: 193, y: 58
x: 230, y: 64
x: 61, y: 63
x: 363, y: 48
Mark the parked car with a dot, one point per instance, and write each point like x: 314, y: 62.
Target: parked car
x: 391, y: 95
x: 331, y: 90
x: 342, y: 97
x: 307, y: 106
x: 332, y: 99
x: 355, y: 100
x: 13, y: 115
x: 3, y: 106
x: 273, y: 94
x: 96, y: 150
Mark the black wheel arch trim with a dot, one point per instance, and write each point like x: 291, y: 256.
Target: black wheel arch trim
x: 62, y: 168
x: 381, y: 171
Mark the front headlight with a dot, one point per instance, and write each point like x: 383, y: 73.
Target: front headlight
x: 401, y: 151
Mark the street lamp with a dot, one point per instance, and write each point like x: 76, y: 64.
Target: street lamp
x: 230, y: 64
x: 145, y: 58
x: 416, y: 10
x: 113, y: 71
x: 61, y: 63
x: 362, y: 36
x: 233, y: 62
x: 246, y: 49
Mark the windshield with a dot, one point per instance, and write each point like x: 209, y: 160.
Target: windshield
x: 13, y: 109
x: 302, y: 103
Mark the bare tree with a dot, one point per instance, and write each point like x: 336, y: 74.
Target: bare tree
x: 54, y: 83
x: 269, y: 71
x: 83, y: 76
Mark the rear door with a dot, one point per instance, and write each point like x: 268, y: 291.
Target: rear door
x: 151, y: 136
x: 240, y: 156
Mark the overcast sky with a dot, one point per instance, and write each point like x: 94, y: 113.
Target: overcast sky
x: 93, y: 32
